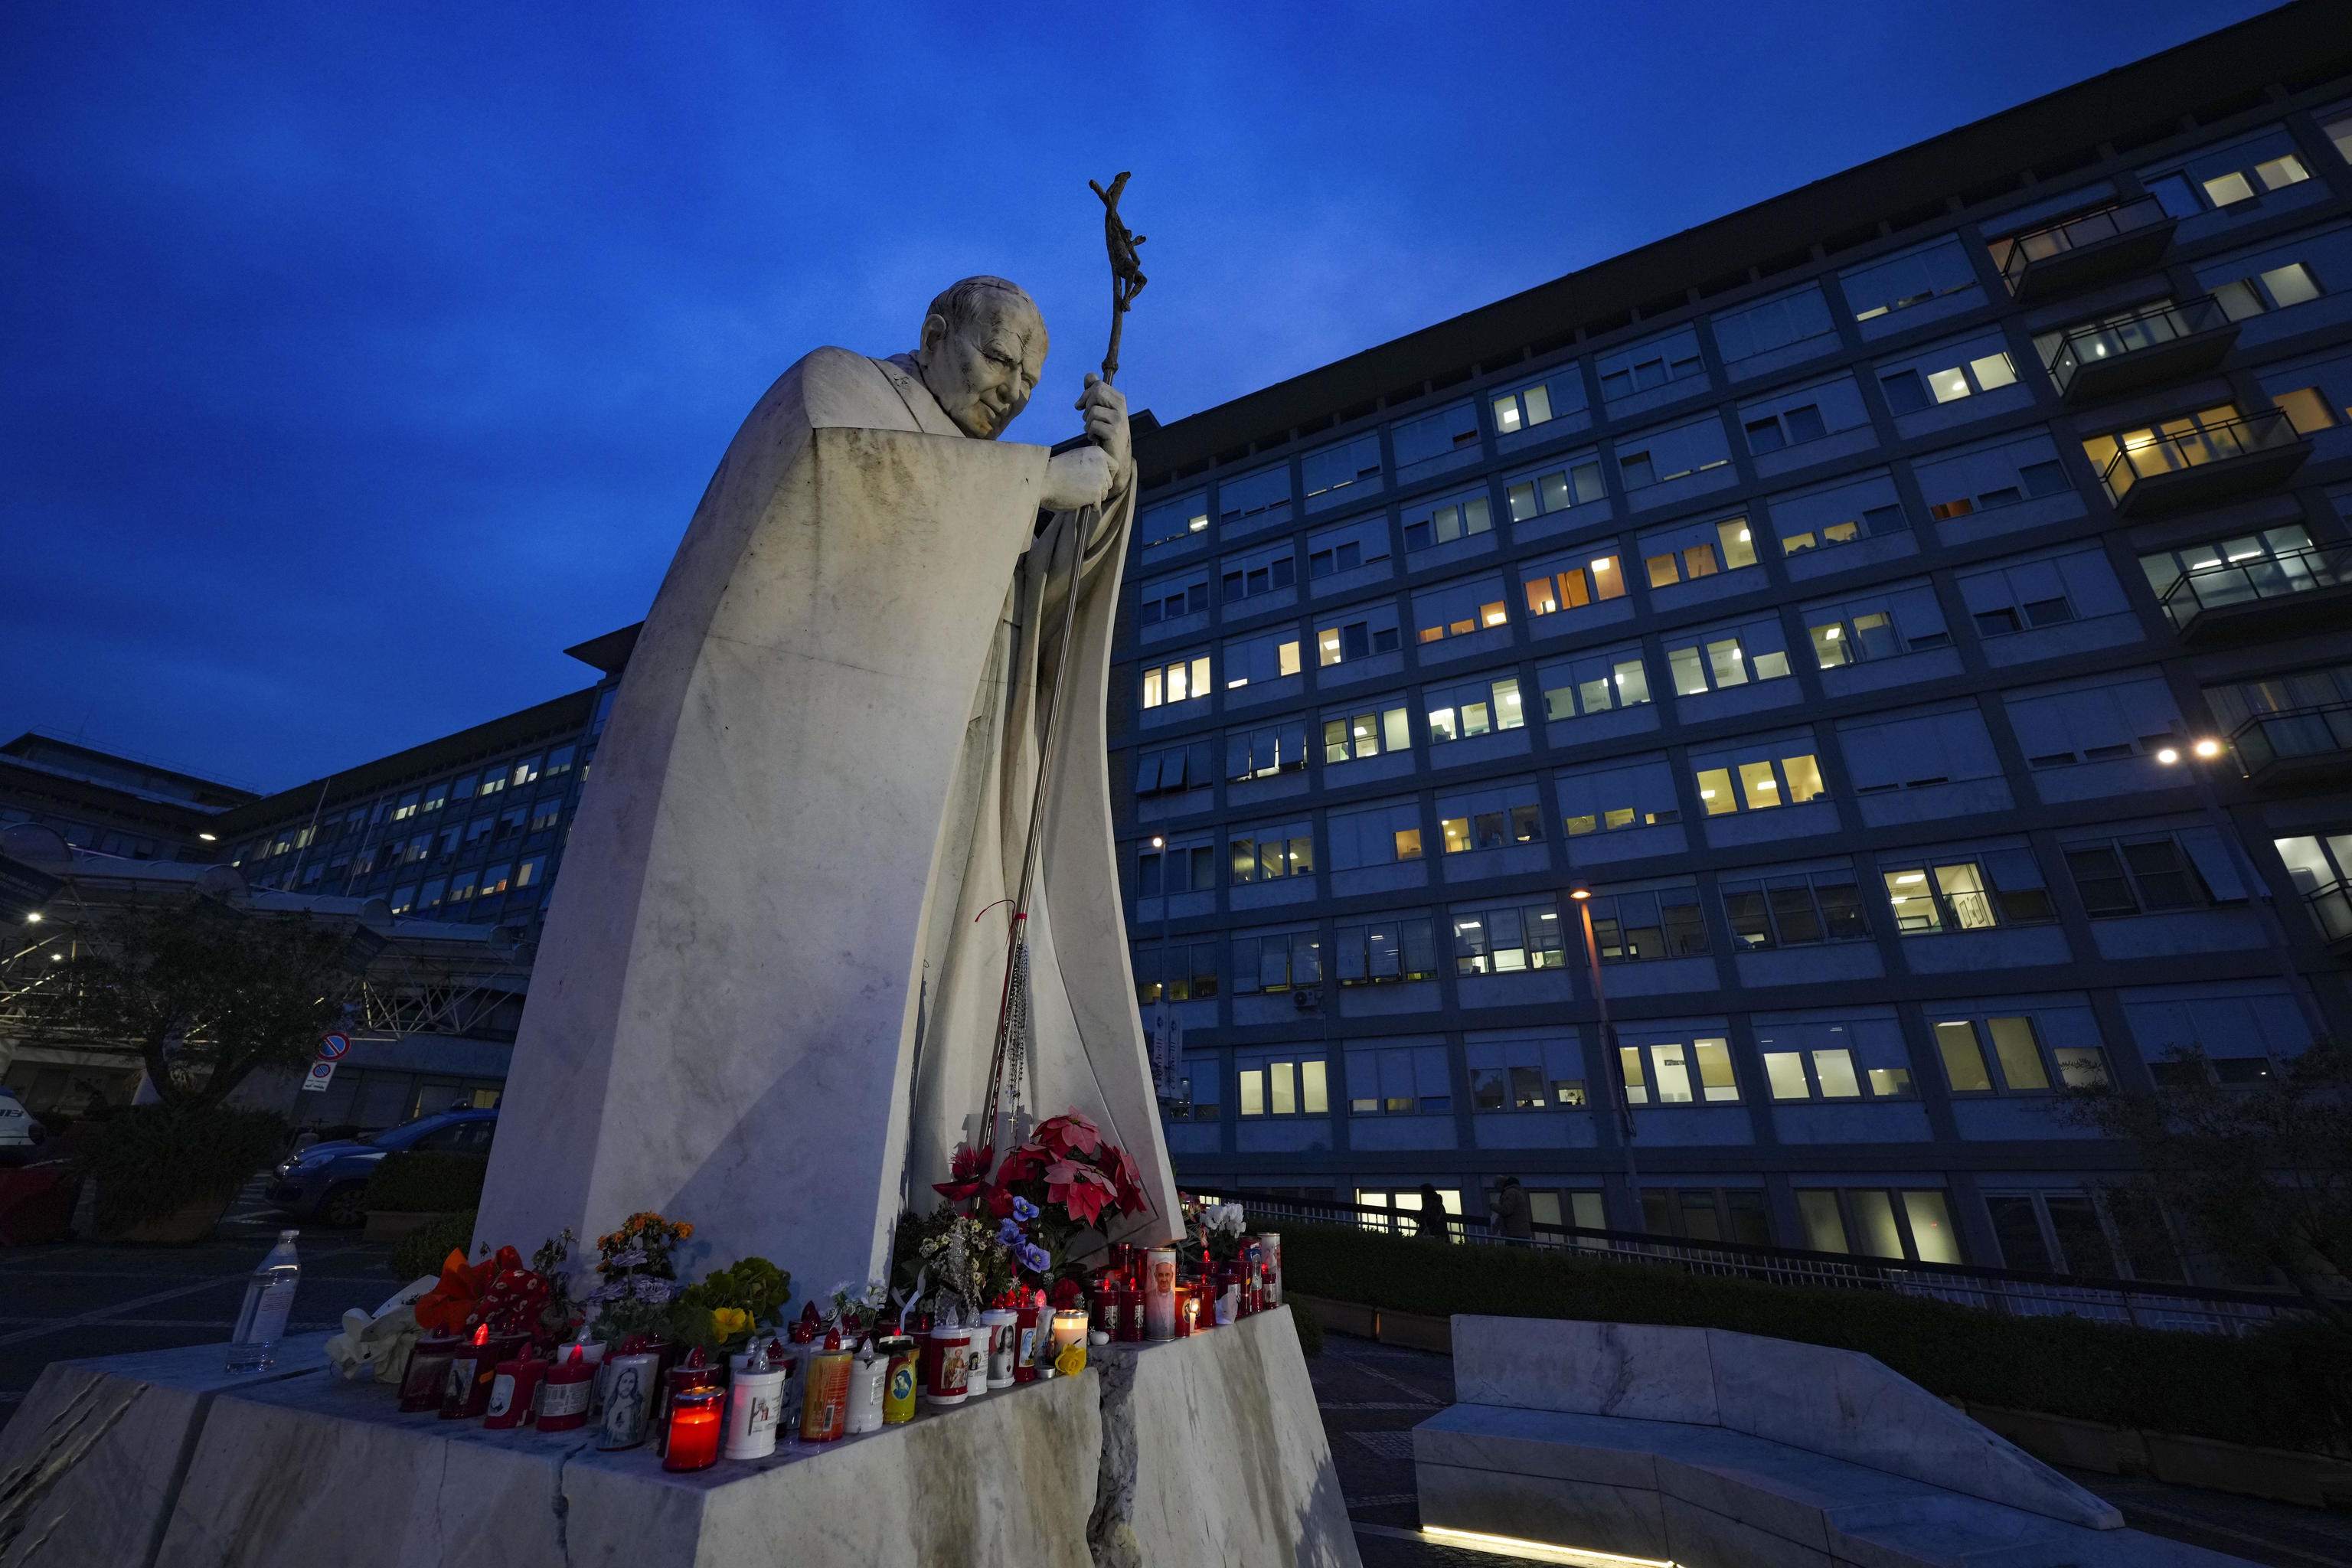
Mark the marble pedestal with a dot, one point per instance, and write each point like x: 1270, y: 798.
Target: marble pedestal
x: 1203, y: 1451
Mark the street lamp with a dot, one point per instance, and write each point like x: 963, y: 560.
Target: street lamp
x: 2205, y: 749
x: 1611, y: 1073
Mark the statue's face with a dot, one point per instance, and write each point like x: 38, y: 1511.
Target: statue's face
x: 983, y: 372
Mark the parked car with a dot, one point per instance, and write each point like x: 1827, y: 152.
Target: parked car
x: 329, y: 1181
x: 20, y: 1133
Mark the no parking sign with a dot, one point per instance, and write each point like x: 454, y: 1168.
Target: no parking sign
x: 332, y: 1045
x: 320, y: 1076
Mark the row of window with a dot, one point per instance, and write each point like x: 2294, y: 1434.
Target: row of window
x: 1925, y: 895
x: 1928, y: 280
x: 421, y: 803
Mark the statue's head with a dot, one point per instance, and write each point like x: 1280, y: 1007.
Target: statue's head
x: 983, y: 348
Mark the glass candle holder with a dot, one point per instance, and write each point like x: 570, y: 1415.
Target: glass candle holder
x: 428, y: 1372
x: 694, y: 1428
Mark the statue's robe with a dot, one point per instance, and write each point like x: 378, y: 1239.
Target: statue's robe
x: 766, y: 997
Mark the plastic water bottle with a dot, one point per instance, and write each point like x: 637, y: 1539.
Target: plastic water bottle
x: 268, y: 1298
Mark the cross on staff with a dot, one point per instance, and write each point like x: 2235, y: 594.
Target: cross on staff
x: 1127, y: 278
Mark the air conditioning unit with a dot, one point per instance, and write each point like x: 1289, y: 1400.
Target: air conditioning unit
x: 1308, y: 998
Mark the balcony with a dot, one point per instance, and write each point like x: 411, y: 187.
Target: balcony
x: 2188, y: 464
x: 2331, y: 912
x: 2263, y: 596
x: 2162, y: 342
x: 2306, y: 746
x: 2131, y: 237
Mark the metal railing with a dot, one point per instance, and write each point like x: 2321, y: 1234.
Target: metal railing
x: 2229, y: 584
x: 2331, y: 910
x: 2075, y: 233
x: 2264, y: 430
x: 2113, y: 339
x: 2267, y: 738
x: 2143, y: 1304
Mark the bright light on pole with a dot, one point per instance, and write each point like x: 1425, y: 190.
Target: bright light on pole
x: 1581, y: 894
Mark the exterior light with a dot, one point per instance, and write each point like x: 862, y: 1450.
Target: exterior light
x: 209, y: 839
x: 1157, y: 841
x: 57, y: 958
x: 1578, y: 892
x: 2209, y: 748
x: 2168, y: 756
x: 34, y: 918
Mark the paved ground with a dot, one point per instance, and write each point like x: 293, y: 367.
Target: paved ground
x: 81, y: 1300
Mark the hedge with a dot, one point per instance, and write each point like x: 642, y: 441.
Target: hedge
x: 426, y: 1183
x: 150, y: 1161
x: 422, y: 1250
x: 2289, y: 1387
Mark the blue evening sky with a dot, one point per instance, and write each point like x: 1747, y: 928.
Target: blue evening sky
x: 355, y: 359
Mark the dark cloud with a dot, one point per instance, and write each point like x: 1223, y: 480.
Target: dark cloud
x: 353, y: 360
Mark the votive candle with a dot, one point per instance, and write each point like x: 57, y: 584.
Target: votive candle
x: 694, y: 1426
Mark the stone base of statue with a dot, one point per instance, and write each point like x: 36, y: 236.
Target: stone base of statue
x: 1202, y: 1451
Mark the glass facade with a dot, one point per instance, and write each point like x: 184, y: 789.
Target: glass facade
x: 1876, y: 755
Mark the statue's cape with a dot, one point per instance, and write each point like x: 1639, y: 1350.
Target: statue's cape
x: 815, y: 774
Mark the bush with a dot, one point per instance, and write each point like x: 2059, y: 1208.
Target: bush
x: 150, y: 1161
x: 422, y: 1250
x: 2287, y: 1387
x: 1309, y: 1326
x: 426, y: 1183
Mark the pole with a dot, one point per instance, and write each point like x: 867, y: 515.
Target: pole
x: 1127, y: 281
x: 1611, y: 1069
x: 2257, y: 894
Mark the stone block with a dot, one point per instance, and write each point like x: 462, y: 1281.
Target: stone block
x: 1634, y: 1369
x: 1201, y: 1452
x: 1629, y: 1521
x: 93, y: 1457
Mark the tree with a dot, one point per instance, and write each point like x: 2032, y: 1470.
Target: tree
x: 205, y: 993
x: 2263, y: 1171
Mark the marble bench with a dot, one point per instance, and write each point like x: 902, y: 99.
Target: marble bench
x: 1712, y: 1449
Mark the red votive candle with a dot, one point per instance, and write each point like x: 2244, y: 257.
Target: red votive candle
x: 467, y: 1392
x: 512, y: 1388
x: 1025, y: 1333
x: 569, y: 1383
x: 694, y: 1428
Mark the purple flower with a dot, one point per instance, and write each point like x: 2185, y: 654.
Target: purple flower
x: 1023, y: 1210
x: 1033, y: 1257
x: 1009, y: 1234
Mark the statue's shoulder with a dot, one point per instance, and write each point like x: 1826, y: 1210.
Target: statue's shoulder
x: 841, y: 387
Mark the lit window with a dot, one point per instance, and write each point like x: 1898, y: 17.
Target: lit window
x: 1181, y: 680
x: 2225, y: 190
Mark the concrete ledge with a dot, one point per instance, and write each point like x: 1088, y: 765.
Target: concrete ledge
x: 1411, y: 1330
x: 1711, y: 1498
x: 1203, y: 1451
x: 2283, y: 1475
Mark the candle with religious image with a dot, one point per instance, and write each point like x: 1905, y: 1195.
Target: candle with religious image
x: 754, y: 1401
x: 1273, y: 1244
x: 1160, y: 1294
x: 513, y: 1387
x: 997, y: 1323
x: 825, y: 1403
x: 899, y: 1382
x: 629, y: 1393
x: 428, y: 1372
x: 1026, y: 1333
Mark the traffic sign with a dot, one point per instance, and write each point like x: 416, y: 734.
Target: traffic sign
x: 332, y: 1045
x: 321, y: 1074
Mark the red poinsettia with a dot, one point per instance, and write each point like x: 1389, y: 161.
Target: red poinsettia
x: 1081, y: 1190
x: 970, y: 1170
x: 1069, y: 1134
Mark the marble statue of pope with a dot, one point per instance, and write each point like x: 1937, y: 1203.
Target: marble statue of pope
x: 767, y: 995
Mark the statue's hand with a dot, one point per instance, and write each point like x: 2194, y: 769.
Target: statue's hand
x: 1105, y: 407
x: 1080, y: 476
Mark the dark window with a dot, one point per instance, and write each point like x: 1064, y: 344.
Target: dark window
x: 1637, y: 470
x: 2019, y: 1230
x: 2163, y: 881
x: 2099, y: 877
x: 2080, y: 1238
x: 2042, y: 478
x: 1804, y: 422
x: 1764, y: 436
x: 1997, y: 623
x: 1905, y: 393
x: 1355, y: 639
x: 2048, y: 612
x: 1885, y: 520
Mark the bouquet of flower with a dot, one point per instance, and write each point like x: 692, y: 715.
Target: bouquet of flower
x: 1066, y: 1181
x: 1212, y: 1232
x: 965, y: 1262
x: 721, y: 1311
x: 639, y: 1279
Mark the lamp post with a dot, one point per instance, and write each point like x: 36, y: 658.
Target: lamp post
x: 2201, y: 752
x: 1582, y: 896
